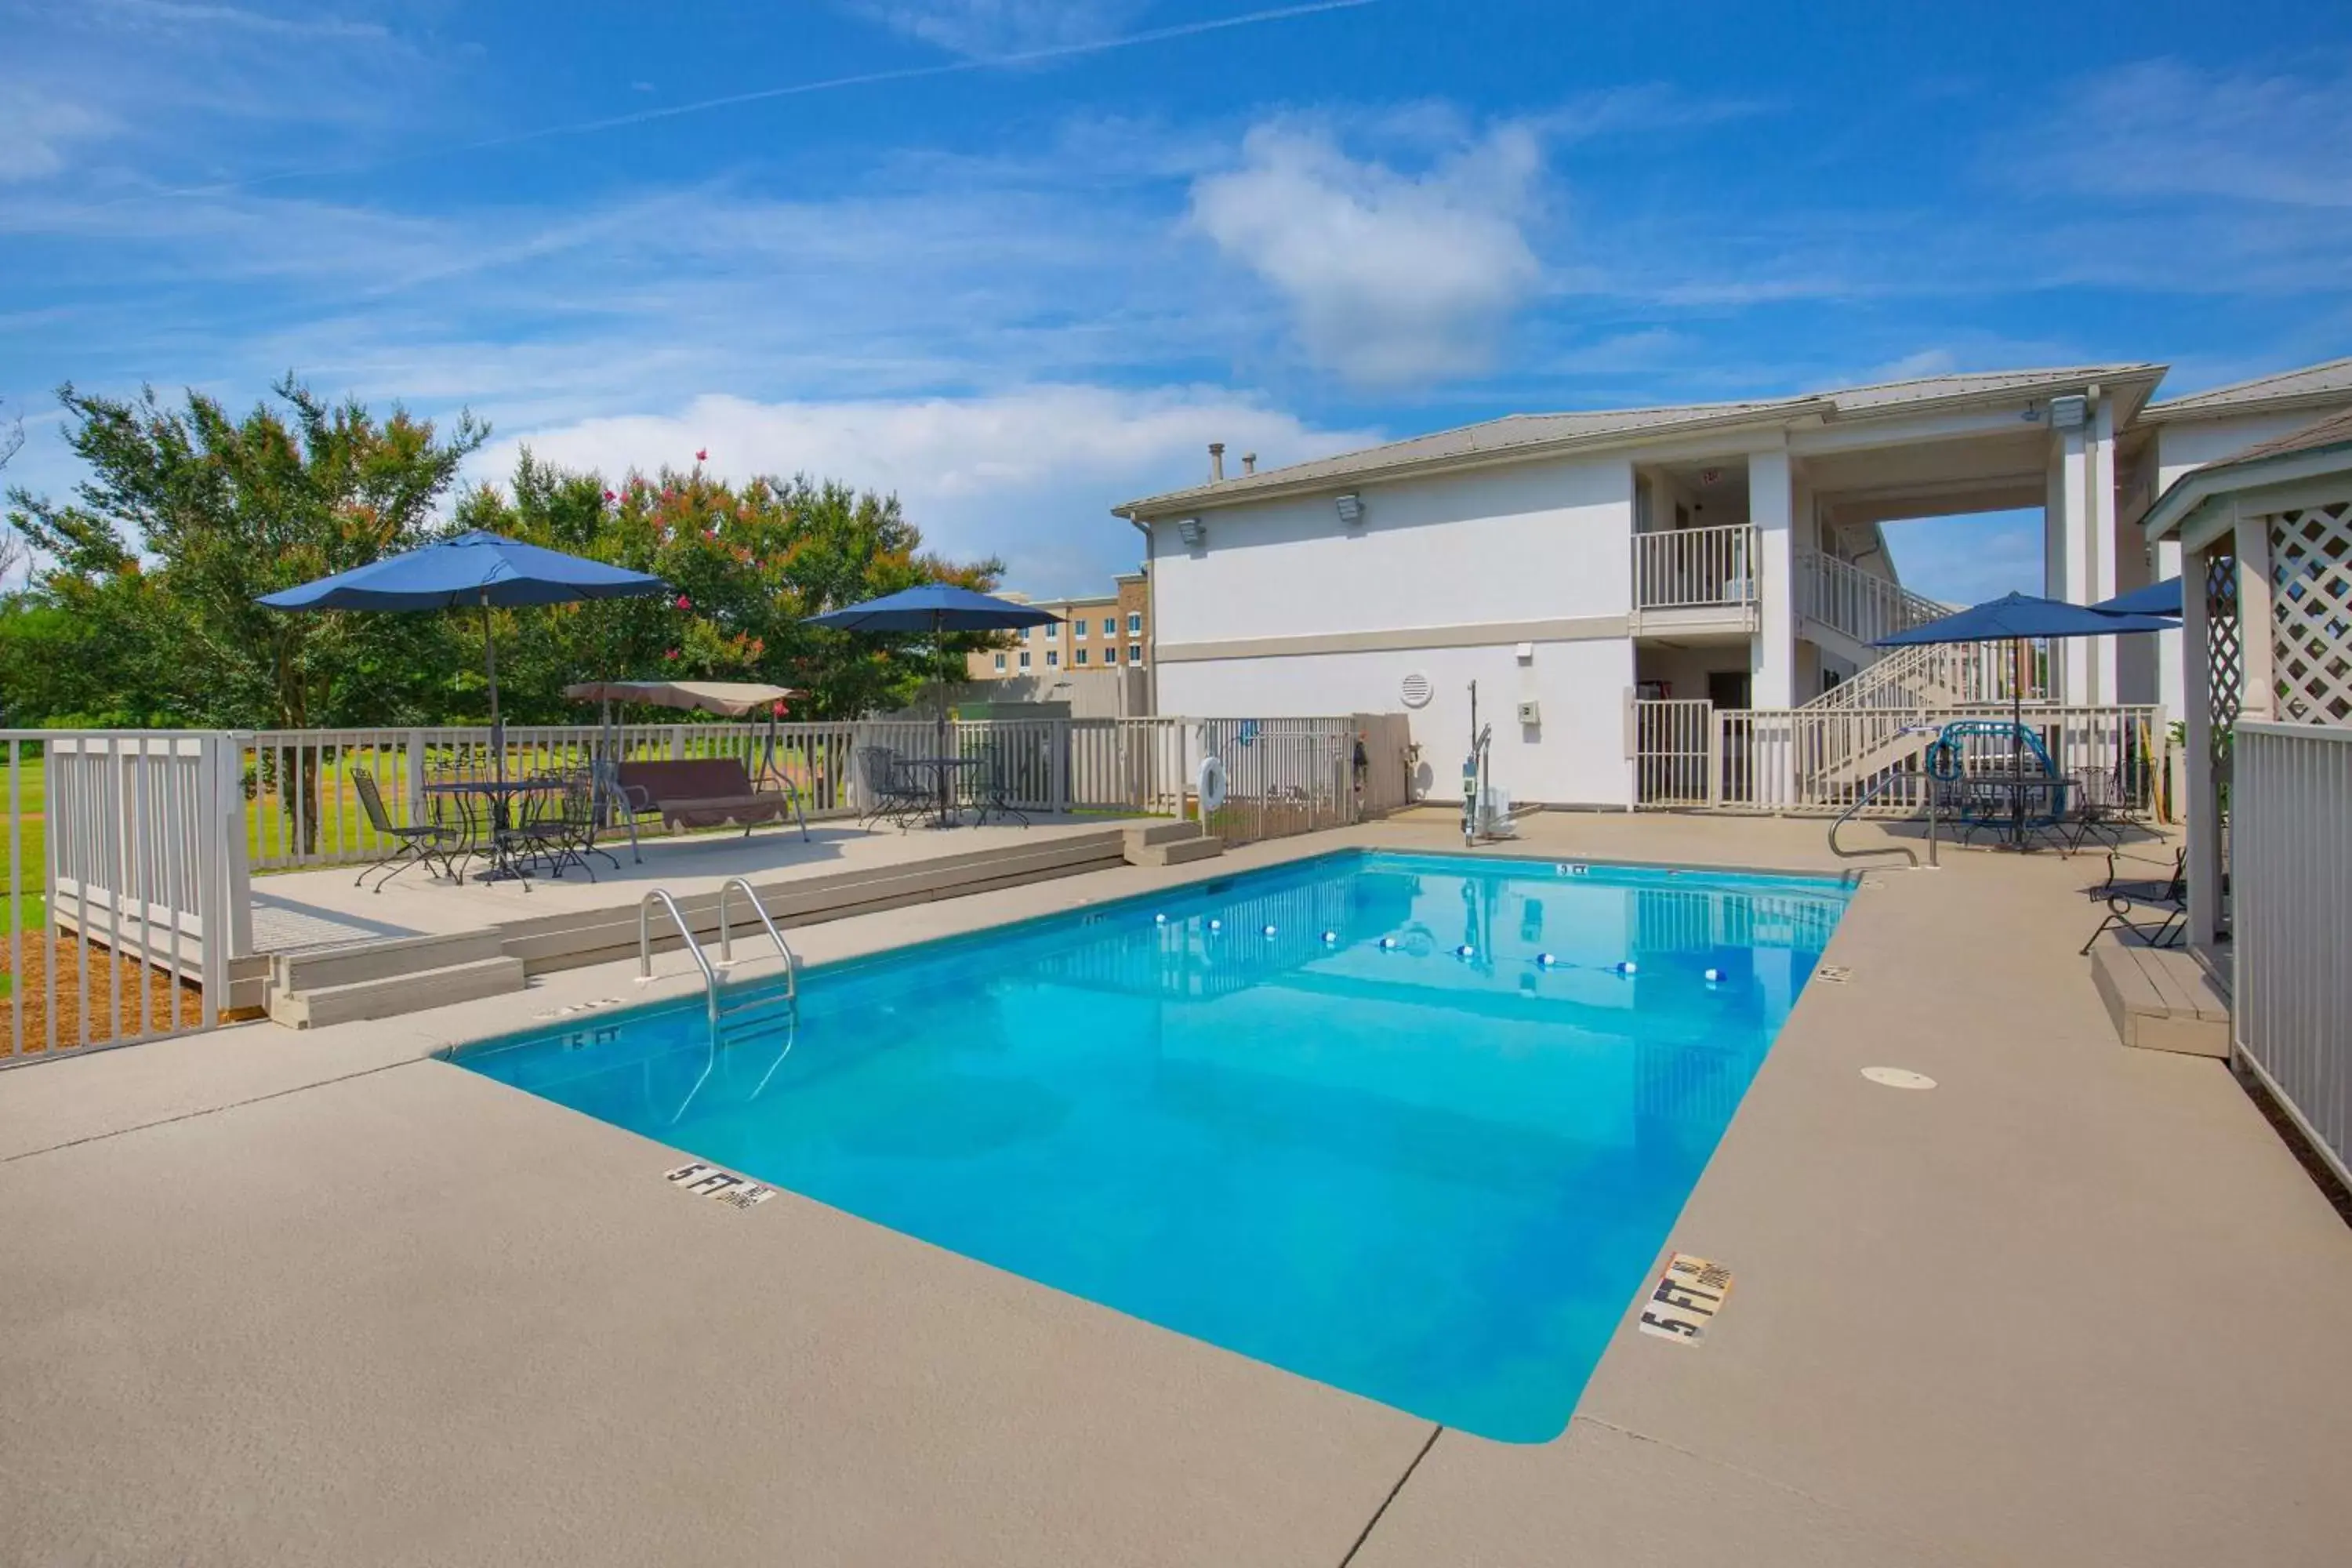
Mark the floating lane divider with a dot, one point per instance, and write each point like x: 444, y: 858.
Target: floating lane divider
x: 1330, y: 938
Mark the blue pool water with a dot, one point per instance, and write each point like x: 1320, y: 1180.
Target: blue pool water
x: 1436, y: 1181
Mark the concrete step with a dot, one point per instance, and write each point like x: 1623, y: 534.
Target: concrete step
x: 331, y: 967
x: 1182, y: 852
x: 1159, y: 833
x: 389, y: 996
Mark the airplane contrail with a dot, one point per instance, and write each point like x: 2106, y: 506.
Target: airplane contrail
x: 762, y: 95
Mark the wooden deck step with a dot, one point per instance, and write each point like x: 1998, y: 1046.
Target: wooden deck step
x: 2161, y: 999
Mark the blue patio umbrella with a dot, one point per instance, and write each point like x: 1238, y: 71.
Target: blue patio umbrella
x: 935, y: 609
x: 2155, y: 599
x: 474, y: 568
x: 2016, y: 618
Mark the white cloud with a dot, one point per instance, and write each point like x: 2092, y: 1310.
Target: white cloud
x: 2163, y: 128
x: 1029, y: 474
x: 35, y: 130
x: 1391, y: 277
x: 985, y: 28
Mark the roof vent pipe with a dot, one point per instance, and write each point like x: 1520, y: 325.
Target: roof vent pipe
x: 1216, y: 461
x: 1249, y: 462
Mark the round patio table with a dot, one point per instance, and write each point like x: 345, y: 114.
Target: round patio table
x: 948, y: 777
x: 498, y: 796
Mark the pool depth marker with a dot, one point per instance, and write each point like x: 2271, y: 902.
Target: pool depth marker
x: 1685, y: 1300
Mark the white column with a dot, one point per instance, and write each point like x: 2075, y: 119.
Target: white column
x: 2171, y: 647
x: 2258, y: 685
x: 2072, y: 551
x: 1772, y: 658
x: 2204, y: 812
x: 2099, y: 529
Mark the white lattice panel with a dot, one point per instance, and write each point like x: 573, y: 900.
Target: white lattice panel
x: 2311, y: 613
x: 2225, y: 671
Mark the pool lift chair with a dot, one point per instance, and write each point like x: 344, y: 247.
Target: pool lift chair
x: 1485, y: 810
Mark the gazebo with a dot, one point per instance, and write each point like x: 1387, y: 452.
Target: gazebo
x: 2267, y: 549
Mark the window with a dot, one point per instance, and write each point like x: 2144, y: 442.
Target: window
x: 1053, y: 659
x: 1110, y: 626
x: 1079, y: 656
x: 1078, y: 627
x: 1110, y: 655
x: 1025, y: 659
x: 999, y: 661
x: 1135, y: 623
x: 1134, y: 653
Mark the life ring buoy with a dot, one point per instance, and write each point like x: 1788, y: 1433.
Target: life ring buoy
x: 1210, y: 783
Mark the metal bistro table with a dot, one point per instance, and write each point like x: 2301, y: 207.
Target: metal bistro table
x: 2020, y: 803
x: 498, y: 796
x: 948, y: 777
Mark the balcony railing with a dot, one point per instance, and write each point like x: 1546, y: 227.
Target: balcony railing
x: 1695, y: 569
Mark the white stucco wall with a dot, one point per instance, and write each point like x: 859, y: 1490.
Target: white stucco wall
x: 1543, y: 542
x: 1434, y: 563
x: 1576, y: 757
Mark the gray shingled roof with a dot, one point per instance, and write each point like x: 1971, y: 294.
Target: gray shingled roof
x: 2335, y: 430
x: 1538, y: 432
x: 2316, y: 383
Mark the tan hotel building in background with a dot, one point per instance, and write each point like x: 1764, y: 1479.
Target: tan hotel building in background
x: 1105, y: 631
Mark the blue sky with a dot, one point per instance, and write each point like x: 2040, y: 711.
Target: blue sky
x: 1020, y: 259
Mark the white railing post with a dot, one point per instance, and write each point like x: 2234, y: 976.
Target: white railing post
x: 1060, y: 741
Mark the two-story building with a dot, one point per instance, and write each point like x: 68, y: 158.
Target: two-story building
x: 1566, y: 564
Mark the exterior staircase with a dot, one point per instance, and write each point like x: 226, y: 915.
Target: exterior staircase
x: 1856, y: 728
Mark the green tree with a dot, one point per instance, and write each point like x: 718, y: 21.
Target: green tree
x: 748, y: 565
x: 189, y: 515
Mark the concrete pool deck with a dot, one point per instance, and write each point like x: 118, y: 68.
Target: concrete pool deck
x: 291, y: 1298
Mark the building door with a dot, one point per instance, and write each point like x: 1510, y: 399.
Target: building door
x: 1728, y: 688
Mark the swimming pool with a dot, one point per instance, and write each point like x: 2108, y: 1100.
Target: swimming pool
x: 1340, y: 1116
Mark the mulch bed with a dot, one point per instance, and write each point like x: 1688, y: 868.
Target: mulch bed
x: 64, y: 956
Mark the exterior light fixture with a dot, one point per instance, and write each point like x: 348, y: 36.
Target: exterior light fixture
x: 2068, y: 413
x: 1351, y: 509
x: 1193, y: 534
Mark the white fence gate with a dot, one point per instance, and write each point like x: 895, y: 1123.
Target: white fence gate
x: 2291, y: 869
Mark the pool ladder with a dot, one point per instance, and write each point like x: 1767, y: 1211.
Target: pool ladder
x: 760, y: 1014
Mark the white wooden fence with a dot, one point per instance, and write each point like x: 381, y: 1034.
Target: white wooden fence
x: 304, y: 807
x: 2291, y: 891
x: 126, y: 902
x: 1688, y: 754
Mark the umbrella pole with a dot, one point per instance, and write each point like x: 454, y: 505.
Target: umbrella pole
x: 2017, y: 744
x: 491, y: 663
x: 939, y: 655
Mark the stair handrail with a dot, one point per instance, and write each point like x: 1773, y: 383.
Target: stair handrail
x: 693, y: 948
x: 727, y: 934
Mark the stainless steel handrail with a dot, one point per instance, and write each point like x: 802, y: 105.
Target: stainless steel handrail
x: 1903, y: 849
x: 694, y: 948
x: 727, y: 934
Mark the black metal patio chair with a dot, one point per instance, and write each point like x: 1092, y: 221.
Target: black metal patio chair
x: 429, y: 843
x: 992, y: 787
x: 892, y: 791
x: 2155, y: 911
x: 555, y: 825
